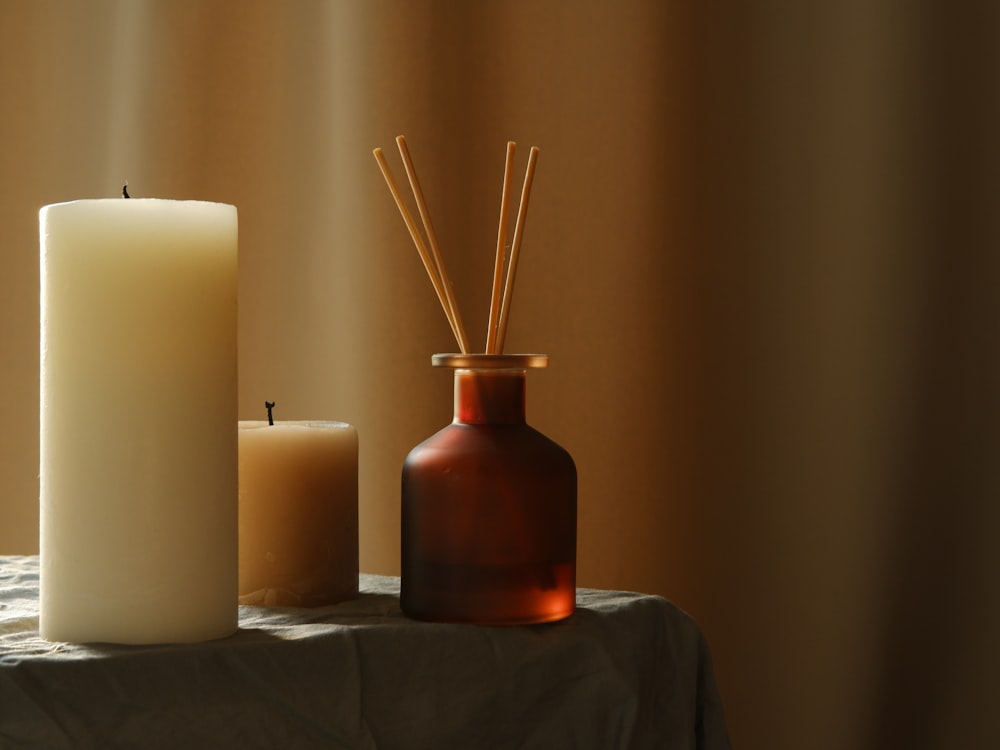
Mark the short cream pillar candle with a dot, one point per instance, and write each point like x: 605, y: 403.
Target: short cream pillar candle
x: 298, y: 490
x: 138, y: 414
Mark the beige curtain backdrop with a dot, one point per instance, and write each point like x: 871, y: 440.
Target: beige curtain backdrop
x: 762, y: 252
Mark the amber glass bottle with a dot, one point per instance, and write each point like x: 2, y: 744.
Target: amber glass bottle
x: 489, y: 507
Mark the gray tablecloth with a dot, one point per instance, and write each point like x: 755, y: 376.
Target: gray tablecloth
x: 626, y: 671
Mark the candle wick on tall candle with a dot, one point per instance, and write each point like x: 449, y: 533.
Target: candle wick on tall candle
x: 270, y: 418
x: 125, y: 190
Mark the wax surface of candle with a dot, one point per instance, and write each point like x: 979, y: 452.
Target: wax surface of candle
x: 138, y: 535
x: 298, y: 513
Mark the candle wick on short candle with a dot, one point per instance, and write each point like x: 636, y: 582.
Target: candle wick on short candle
x: 125, y: 190
x: 270, y: 418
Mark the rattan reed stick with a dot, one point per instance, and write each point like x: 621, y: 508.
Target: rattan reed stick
x: 494, y: 321
x: 515, y: 249
x: 429, y: 264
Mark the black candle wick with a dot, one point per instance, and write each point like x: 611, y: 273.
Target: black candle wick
x: 125, y: 190
x: 270, y: 419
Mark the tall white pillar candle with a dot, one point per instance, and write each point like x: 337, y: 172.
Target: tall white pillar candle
x: 138, y: 421
x: 298, y: 513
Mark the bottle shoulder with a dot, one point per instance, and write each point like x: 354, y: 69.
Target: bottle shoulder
x: 521, y: 440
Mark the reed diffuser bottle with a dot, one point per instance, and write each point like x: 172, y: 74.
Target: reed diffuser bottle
x: 488, y: 503
x: 489, y: 506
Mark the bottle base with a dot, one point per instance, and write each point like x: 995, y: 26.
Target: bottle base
x: 524, y: 594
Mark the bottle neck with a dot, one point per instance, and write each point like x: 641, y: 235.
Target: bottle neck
x: 489, y: 396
